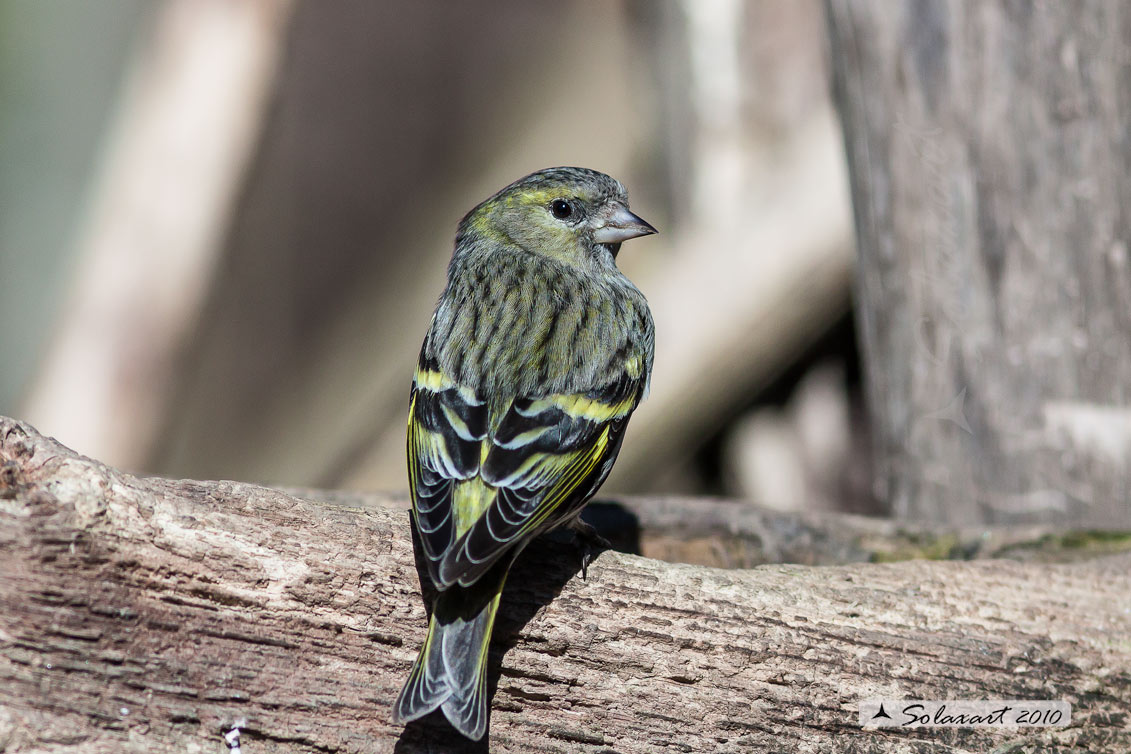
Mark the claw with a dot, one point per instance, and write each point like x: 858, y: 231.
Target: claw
x: 590, y: 543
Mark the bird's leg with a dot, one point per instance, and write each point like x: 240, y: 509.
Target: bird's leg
x: 589, y: 541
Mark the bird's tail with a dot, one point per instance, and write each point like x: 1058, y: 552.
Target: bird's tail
x: 451, y: 670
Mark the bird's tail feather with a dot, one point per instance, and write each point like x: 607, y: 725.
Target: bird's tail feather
x: 450, y: 672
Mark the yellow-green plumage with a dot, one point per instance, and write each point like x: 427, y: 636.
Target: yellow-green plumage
x: 538, y: 352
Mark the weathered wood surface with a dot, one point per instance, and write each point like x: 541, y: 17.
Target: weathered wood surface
x: 736, y: 534
x: 988, y: 155
x: 155, y: 615
x: 728, y: 533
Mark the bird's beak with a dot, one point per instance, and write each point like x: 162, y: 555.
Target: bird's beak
x: 615, y: 224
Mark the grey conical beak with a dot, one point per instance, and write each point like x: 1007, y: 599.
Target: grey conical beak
x: 617, y: 224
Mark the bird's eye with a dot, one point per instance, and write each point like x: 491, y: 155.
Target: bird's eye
x: 561, y: 209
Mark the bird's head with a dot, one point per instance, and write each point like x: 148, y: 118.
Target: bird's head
x: 575, y: 215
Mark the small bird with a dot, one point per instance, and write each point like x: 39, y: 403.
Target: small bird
x: 538, y: 352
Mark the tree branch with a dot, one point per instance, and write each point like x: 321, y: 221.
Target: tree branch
x: 157, y: 615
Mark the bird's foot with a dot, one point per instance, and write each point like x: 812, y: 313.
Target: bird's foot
x: 590, y: 542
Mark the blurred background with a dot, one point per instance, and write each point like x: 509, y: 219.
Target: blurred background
x: 224, y: 224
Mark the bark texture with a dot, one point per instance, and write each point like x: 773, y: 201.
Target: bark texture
x: 729, y: 533
x: 156, y: 615
x: 988, y: 152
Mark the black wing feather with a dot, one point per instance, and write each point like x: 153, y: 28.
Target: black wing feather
x: 543, y: 457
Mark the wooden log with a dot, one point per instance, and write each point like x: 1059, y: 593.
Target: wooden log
x: 158, y: 615
x: 728, y: 533
x: 735, y: 534
x: 988, y: 153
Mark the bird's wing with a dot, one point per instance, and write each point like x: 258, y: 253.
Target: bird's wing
x: 447, y: 426
x: 477, y: 491
x: 544, y: 458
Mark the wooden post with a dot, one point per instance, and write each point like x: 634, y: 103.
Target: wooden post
x: 989, y: 155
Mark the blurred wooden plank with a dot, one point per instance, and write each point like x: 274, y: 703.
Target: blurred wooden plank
x: 738, y: 302
x: 989, y: 158
x: 185, y: 131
